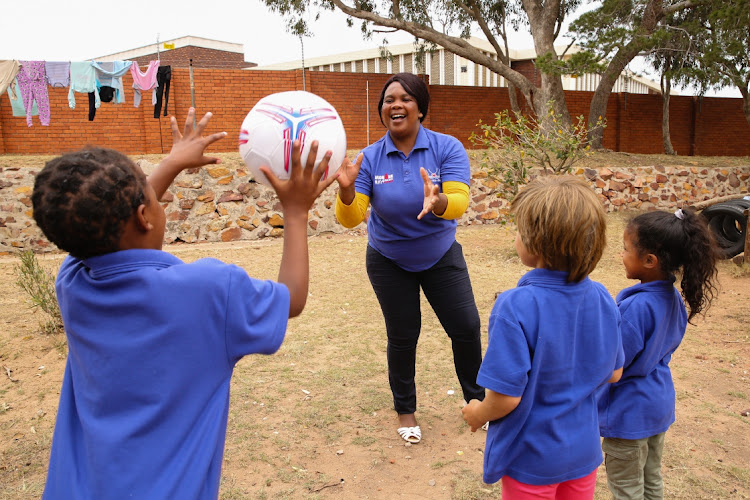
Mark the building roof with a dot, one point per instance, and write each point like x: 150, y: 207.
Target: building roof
x: 408, y: 48
x: 185, y: 41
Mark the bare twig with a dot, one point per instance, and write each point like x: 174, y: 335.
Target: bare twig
x: 327, y: 485
x: 8, y: 372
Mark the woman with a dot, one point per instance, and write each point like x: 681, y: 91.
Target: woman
x: 412, y: 239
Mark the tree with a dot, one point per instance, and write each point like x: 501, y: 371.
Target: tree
x: 723, y: 49
x: 434, y: 21
x: 612, y: 36
x: 674, y: 59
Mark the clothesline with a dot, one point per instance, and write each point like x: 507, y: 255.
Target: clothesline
x: 26, y: 83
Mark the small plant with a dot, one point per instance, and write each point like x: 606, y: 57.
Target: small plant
x: 514, y: 144
x: 39, y: 285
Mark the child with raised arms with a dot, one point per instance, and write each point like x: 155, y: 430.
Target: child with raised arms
x: 553, y: 342
x: 153, y: 341
x: 635, y: 413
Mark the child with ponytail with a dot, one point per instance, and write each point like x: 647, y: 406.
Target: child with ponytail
x: 635, y: 413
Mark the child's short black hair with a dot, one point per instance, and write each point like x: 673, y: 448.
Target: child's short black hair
x: 414, y: 86
x: 83, y: 199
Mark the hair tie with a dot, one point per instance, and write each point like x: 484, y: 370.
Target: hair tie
x: 679, y: 214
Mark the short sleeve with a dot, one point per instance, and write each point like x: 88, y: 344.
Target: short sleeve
x: 507, y: 362
x: 363, y: 183
x: 256, y: 315
x: 455, y: 162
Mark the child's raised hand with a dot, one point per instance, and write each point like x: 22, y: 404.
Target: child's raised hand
x: 188, y: 146
x: 304, y: 184
x: 187, y: 152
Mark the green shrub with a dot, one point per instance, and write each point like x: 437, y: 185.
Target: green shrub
x: 515, y: 144
x: 39, y: 285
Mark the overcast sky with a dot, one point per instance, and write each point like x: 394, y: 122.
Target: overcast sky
x: 54, y: 30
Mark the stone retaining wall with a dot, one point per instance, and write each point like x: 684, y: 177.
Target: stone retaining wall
x: 218, y: 203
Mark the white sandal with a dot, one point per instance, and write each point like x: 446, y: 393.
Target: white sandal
x: 411, y: 435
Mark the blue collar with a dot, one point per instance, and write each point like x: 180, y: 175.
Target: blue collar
x: 422, y: 142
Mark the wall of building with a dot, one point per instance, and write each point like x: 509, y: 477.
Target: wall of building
x: 202, y: 58
x: 708, y: 126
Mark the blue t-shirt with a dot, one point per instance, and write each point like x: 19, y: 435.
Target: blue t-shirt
x: 554, y: 344
x: 642, y: 403
x: 152, y: 343
x: 396, y: 190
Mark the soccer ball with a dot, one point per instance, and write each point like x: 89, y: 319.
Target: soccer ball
x: 270, y: 128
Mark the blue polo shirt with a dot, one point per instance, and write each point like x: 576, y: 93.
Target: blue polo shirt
x: 152, y: 343
x: 394, y: 185
x: 642, y: 403
x: 554, y: 344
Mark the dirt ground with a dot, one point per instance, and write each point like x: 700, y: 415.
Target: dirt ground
x: 315, y: 420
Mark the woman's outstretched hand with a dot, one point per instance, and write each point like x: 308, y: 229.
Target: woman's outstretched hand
x: 431, y: 195
x: 347, y: 174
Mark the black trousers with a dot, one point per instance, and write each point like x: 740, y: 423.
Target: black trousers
x: 447, y: 287
x: 163, y: 78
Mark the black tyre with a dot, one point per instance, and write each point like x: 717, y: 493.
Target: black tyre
x: 728, y: 225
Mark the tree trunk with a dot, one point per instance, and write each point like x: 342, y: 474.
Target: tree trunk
x: 543, y: 17
x: 652, y: 13
x: 666, y: 91
x: 513, y: 96
x: 745, y: 103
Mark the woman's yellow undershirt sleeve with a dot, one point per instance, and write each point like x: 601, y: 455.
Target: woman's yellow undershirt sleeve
x: 458, y: 199
x: 351, y: 215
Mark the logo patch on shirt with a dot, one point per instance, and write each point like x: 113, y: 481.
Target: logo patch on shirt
x: 434, y: 176
x: 383, y: 179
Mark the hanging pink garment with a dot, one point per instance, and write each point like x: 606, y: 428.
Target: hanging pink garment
x: 144, y: 80
x: 32, y: 84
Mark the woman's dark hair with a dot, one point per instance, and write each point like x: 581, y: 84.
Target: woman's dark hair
x: 82, y: 200
x: 681, y: 241
x: 414, y: 86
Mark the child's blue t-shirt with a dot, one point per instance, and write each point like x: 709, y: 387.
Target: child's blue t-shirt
x: 554, y: 344
x: 395, y: 187
x: 642, y: 403
x: 152, y: 342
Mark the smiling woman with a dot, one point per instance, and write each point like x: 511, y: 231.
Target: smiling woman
x: 417, y: 182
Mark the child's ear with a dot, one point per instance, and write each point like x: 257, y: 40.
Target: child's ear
x: 141, y: 219
x: 651, y: 261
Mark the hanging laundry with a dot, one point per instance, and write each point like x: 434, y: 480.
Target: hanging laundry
x: 144, y: 81
x: 58, y: 73
x: 82, y: 79
x: 32, y: 83
x: 8, y: 71
x: 109, y: 74
x: 106, y: 94
x: 163, y: 77
x: 16, y: 103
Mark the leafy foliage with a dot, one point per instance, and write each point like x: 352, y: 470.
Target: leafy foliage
x: 39, y: 285
x: 515, y: 143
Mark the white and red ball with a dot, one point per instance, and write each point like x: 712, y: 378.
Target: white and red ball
x: 270, y: 128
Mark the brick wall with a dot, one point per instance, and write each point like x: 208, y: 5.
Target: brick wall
x: 202, y: 58
x: 707, y: 126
